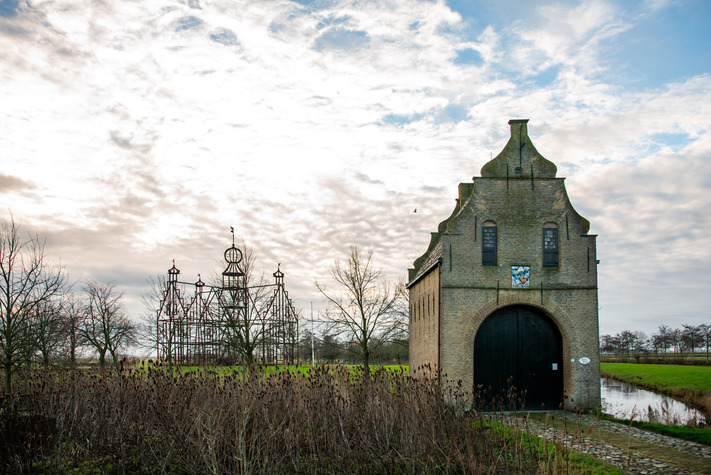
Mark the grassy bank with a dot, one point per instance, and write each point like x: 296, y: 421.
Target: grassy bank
x: 701, y: 436
x: 691, y: 384
x: 552, y: 452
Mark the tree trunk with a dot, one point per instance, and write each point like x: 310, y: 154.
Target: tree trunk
x: 366, y: 359
x: 102, y: 359
x: 8, y: 378
x: 114, y: 358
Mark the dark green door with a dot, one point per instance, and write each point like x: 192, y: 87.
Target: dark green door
x: 524, y: 345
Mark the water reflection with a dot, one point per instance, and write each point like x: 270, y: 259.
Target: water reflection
x: 621, y: 399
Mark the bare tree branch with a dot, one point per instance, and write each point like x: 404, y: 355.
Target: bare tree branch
x: 105, y: 326
x: 26, y: 283
x: 365, y: 305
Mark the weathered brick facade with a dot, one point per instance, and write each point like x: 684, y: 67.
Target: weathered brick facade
x: 455, y: 286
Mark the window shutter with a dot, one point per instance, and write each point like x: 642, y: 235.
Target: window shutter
x: 550, y: 247
x: 488, y: 246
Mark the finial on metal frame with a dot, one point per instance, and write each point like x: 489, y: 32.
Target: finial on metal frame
x: 232, y: 230
x: 278, y: 274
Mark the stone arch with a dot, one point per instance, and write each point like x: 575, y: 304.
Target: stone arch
x: 560, y: 317
x: 520, y: 346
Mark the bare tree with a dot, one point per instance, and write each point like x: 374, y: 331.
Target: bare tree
x: 26, y: 282
x: 662, y: 339
x: 675, y: 341
x: 49, y: 330
x: 692, y: 337
x: 631, y: 342
x: 608, y: 343
x: 706, y: 331
x: 72, y: 319
x: 401, y: 336
x: 330, y: 348
x: 364, y: 305
x: 150, y: 333
x: 105, y: 326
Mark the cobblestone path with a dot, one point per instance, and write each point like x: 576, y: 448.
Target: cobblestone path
x: 649, y: 453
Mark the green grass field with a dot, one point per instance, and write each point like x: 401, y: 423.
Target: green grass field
x: 663, y: 378
x: 663, y: 357
x: 274, y: 369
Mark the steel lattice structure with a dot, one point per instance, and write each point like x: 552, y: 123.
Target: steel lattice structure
x: 227, y: 324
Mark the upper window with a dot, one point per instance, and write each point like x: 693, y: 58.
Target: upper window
x: 550, y: 246
x: 488, y: 244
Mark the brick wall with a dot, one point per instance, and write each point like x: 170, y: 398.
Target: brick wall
x: 424, y: 321
x: 519, y: 193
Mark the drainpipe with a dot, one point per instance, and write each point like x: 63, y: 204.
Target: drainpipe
x: 439, y: 323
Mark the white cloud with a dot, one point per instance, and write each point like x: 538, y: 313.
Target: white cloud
x: 567, y: 36
x: 142, y: 131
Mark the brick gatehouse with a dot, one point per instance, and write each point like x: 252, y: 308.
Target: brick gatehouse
x: 508, y: 285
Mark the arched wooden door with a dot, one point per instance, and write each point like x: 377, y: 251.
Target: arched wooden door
x: 523, y: 344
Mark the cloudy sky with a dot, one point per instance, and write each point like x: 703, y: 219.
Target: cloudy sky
x: 137, y: 132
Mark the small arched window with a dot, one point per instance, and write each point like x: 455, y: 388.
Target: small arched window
x: 489, y: 241
x: 550, y: 245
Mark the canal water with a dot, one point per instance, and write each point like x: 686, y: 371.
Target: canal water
x: 621, y: 400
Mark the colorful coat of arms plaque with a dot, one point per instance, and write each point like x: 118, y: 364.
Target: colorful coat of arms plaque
x: 520, y: 276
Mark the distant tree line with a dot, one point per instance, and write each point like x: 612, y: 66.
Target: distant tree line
x: 332, y: 349
x: 666, y: 342
x: 44, y: 319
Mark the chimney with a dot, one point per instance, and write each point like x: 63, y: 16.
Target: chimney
x: 519, y: 129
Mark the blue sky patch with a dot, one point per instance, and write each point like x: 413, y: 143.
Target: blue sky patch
x: 340, y: 38
x: 224, y: 36
x: 194, y: 4
x: 645, y: 56
x: 469, y: 56
x: 401, y: 119
x: 313, y: 5
x: 276, y: 27
x: 330, y: 21
x: 8, y: 8
x: 669, y: 140
x: 188, y: 22
x: 455, y: 113
x: 547, y: 76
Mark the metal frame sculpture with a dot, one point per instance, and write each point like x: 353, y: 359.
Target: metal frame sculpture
x: 227, y: 324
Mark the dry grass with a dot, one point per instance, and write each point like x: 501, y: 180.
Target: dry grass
x: 149, y: 421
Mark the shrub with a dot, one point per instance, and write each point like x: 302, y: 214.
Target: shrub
x: 331, y: 419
